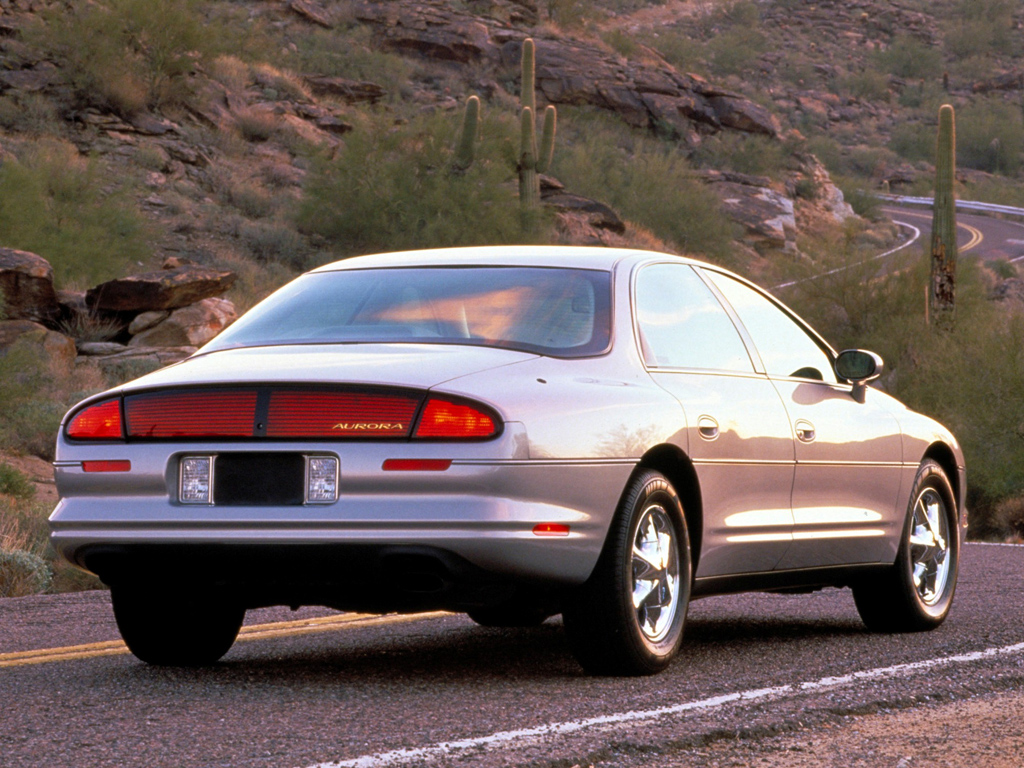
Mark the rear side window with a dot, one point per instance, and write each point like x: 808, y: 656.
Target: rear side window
x: 550, y: 311
x: 683, y: 325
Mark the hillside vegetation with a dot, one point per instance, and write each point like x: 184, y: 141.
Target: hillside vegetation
x: 270, y: 136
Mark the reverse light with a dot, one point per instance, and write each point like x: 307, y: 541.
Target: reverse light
x: 321, y: 479
x: 101, y: 421
x: 455, y: 420
x: 195, y: 483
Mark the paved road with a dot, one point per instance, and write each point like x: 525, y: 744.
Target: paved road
x: 984, y: 237
x: 440, y: 690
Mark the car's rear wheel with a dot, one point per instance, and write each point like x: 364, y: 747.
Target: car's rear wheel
x: 176, y: 629
x: 917, y: 592
x: 628, y: 618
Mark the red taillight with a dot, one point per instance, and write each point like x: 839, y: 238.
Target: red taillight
x: 101, y: 421
x: 339, y: 414
x: 191, y: 414
x: 107, y: 466
x: 447, y: 419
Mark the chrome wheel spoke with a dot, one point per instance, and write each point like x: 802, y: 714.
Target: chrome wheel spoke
x: 655, y: 573
x: 929, y: 546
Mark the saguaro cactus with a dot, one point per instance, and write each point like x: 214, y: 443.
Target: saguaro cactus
x: 466, y: 151
x: 531, y: 159
x: 942, y: 298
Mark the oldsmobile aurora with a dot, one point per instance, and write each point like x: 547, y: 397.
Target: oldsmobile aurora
x: 511, y: 432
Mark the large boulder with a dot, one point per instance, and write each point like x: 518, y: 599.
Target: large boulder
x: 190, y: 326
x: 166, y: 289
x: 768, y: 217
x: 26, y: 334
x: 26, y: 281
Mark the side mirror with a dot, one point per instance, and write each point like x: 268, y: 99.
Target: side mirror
x: 858, y: 366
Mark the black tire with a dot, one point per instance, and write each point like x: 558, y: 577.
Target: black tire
x: 916, y: 593
x: 607, y: 633
x: 176, y: 630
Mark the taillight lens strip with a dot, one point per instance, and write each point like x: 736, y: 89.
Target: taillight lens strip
x: 299, y: 413
x: 210, y: 413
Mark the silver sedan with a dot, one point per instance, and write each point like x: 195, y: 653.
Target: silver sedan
x: 511, y: 432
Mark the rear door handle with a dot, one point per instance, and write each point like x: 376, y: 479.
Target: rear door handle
x: 805, y: 431
x: 707, y: 427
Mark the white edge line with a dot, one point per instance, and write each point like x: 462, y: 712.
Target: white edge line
x: 399, y: 756
x: 913, y: 239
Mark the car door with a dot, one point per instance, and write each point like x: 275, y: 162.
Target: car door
x: 738, y: 431
x: 848, y: 453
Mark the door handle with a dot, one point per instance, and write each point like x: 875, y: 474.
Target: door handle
x: 805, y: 431
x: 707, y: 427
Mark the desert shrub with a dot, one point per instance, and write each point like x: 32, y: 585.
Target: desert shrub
x: 273, y: 242
x: 1007, y: 518
x: 861, y: 197
x: 914, y: 141
x: 257, y: 124
x: 231, y: 72
x: 989, y: 136
x: 648, y: 182
x: 251, y: 200
x: 15, y: 483
x: 279, y: 84
x: 23, y: 573
x: 623, y: 42
x: 980, y: 27
x: 908, y: 57
x: 392, y: 187
x: 742, y: 153
x: 736, y: 51
x: 351, y: 54
x: 127, y: 54
x: 28, y: 113
x: 57, y: 204
x: 679, y: 49
x: 868, y: 84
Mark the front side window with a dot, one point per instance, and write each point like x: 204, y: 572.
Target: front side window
x: 786, y: 349
x: 683, y: 325
x: 558, y: 312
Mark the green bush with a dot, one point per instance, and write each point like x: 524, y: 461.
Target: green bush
x: 742, y: 153
x: 868, y: 84
x: 646, y: 181
x: 914, y: 141
x: 989, y: 136
x: 15, y: 483
x: 56, y: 203
x: 981, y: 27
x: 127, y: 55
x: 908, y: 57
x: 391, y: 187
x: 23, y: 573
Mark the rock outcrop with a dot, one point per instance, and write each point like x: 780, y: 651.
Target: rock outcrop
x: 166, y: 289
x: 568, y: 71
x: 26, y: 281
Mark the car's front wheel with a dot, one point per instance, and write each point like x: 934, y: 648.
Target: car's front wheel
x: 628, y: 617
x: 916, y: 593
x: 175, y: 629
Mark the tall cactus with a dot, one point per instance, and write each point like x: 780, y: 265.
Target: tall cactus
x: 942, y: 297
x: 533, y: 160
x: 465, y: 153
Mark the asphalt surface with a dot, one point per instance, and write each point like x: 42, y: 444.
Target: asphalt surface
x: 984, y: 237
x: 442, y: 691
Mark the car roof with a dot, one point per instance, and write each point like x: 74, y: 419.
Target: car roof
x: 565, y: 256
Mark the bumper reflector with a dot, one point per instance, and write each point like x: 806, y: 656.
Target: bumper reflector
x: 321, y: 479
x: 550, y: 529
x: 196, y: 480
x: 416, y: 465
x: 106, y: 466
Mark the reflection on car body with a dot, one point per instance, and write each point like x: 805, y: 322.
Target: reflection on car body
x: 513, y: 432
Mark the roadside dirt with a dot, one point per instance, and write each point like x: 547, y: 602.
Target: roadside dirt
x: 984, y: 732
x: 38, y: 470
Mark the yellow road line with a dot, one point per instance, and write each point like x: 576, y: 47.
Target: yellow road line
x: 976, y: 237
x: 251, y: 632
x: 975, y: 233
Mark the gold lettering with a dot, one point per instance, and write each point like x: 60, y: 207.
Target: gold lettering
x: 371, y: 426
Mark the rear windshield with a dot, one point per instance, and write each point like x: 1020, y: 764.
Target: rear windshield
x: 557, y: 312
